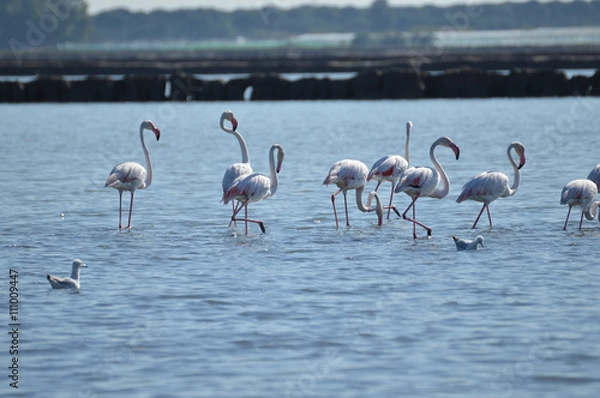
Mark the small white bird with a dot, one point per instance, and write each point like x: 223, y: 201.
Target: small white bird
x: 67, y: 283
x: 463, y: 244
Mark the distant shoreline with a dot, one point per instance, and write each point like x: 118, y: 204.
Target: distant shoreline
x: 65, y: 63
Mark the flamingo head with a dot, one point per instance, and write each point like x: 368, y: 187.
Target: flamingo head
x: 228, y: 115
x: 445, y: 141
x: 149, y: 125
x: 520, y: 150
x: 280, y: 157
x: 409, y: 126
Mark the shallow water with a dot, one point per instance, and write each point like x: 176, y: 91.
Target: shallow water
x: 182, y: 305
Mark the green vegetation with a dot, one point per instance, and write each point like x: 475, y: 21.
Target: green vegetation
x: 26, y: 24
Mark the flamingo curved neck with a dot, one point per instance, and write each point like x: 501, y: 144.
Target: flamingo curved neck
x: 406, y: 151
x: 274, y: 178
x: 590, y: 213
x: 443, y: 191
x: 359, y: 202
x: 148, y: 180
x: 243, y: 146
x: 517, y: 178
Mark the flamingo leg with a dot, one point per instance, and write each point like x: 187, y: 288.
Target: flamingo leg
x: 232, y: 221
x: 581, y: 220
x: 489, y: 215
x: 346, y: 207
x: 567, y: 219
x: 120, y: 207
x: 334, y: 210
x: 391, y: 198
x: 479, y: 216
x: 246, y: 219
x: 130, y: 210
x: 413, y: 220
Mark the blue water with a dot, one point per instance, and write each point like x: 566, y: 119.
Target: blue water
x: 182, y: 305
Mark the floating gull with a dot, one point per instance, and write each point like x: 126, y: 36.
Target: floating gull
x: 67, y: 283
x: 463, y: 244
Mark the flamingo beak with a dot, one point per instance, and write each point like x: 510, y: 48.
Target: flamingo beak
x: 457, y: 152
x: 234, y: 123
x: 522, y: 161
x: 156, y: 133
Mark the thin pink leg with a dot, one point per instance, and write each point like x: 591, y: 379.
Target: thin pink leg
x: 567, y: 219
x: 581, y: 221
x: 414, y: 219
x: 489, y: 215
x: 346, y: 207
x: 246, y: 219
x: 479, y: 216
x: 391, y: 198
x: 120, y: 207
x: 130, y: 210
x: 337, y: 225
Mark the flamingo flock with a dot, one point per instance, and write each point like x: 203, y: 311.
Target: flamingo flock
x: 242, y: 186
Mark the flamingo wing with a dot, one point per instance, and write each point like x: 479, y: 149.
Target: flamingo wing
x: 418, y: 180
x: 485, y: 187
x: 579, y: 192
x: 234, y: 172
x: 595, y: 176
x: 253, y: 187
x: 347, y: 173
x: 388, y: 168
x: 127, y: 175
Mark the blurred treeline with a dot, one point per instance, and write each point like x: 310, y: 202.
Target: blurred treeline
x: 26, y: 22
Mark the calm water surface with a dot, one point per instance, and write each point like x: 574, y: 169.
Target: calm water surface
x: 182, y: 305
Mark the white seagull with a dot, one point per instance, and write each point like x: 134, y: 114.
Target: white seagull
x: 67, y: 283
x: 464, y: 244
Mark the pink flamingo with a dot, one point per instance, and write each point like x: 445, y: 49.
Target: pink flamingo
x: 236, y: 170
x: 351, y: 174
x: 255, y: 187
x: 129, y: 176
x: 595, y: 175
x: 580, y: 193
x: 390, y: 168
x: 491, y: 185
x: 424, y: 181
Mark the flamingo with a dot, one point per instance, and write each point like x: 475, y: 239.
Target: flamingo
x: 129, y: 176
x: 580, y: 193
x: 67, y: 283
x: 595, y: 175
x: 491, y: 185
x: 350, y: 174
x: 255, y: 187
x: 424, y: 181
x: 236, y: 170
x: 390, y: 168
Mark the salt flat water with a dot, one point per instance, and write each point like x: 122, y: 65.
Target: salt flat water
x: 182, y: 305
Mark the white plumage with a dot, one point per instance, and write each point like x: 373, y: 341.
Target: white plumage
x: 424, y: 181
x: 465, y: 244
x: 67, y: 283
x: 580, y: 193
x: 255, y: 187
x: 390, y: 168
x: 491, y: 185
